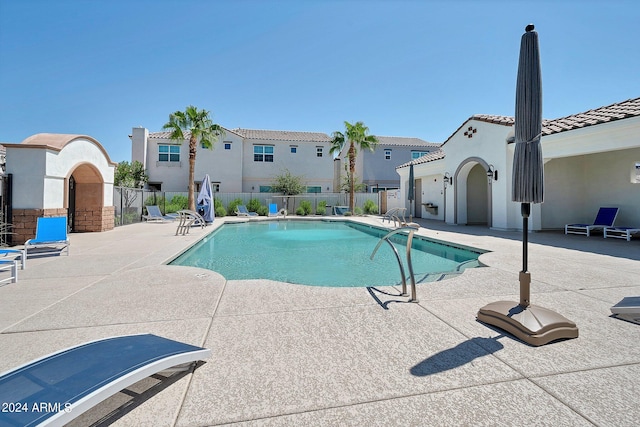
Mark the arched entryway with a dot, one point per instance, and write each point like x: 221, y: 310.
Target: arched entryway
x: 473, y: 196
x: 84, y: 198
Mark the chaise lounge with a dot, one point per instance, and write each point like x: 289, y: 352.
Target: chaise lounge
x: 51, y: 237
x: 621, y: 232
x: 55, y: 389
x: 241, y: 210
x: 605, y: 218
x: 154, y: 214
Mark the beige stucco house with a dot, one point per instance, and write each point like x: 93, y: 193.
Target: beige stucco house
x: 592, y: 159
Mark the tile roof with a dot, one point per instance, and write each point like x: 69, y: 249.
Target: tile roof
x: 166, y: 134
x: 430, y: 157
x: 608, y: 113
x: 406, y: 142
x: 283, y: 135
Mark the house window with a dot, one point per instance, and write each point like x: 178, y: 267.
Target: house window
x: 227, y: 145
x: 387, y: 154
x: 318, y: 151
x: 418, y: 154
x: 294, y: 149
x: 265, y: 189
x: 168, y: 153
x: 263, y: 153
x: 314, y: 189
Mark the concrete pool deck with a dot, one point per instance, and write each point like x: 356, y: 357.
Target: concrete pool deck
x: 298, y: 355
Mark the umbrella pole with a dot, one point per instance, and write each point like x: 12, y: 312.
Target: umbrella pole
x: 525, y: 276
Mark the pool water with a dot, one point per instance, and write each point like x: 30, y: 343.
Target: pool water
x: 321, y: 253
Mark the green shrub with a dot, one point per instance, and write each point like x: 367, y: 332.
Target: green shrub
x: 322, y: 208
x: 357, y: 210
x: 300, y: 211
x: 233, y: 205
x: 262, y: 211
x: 347, y: 213
x: 305, y: 205
x: 221, y: 211
x: 254, y: 205
x: 370, y: 208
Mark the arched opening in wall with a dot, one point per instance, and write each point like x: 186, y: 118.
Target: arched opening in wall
x: 84, y: 198
x: 472, y: 193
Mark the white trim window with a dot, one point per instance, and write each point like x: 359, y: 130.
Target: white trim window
x: 168, y: 153
x: 227, y: 145
x: 418, y: 154
x: 387, y: 154
x: 318, y: 151
x: 263, y: 153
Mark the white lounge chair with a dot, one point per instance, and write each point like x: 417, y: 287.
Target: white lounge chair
x: 51, y: 237
x: 57, y: 388
x: 154, y: 214
x: 241, y: 210
x: 620, y: 232
x: 15, y: 254
x: 10, y: 265
x: 605, y: 218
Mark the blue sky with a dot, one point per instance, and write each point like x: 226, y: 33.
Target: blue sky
x: 405, y: 68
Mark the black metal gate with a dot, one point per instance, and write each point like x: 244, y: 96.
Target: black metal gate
x: 6, y: 182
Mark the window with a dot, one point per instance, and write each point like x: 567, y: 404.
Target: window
x: 314, y: 189
x: 168, y: 153
x: 263, y: 153
x: 318, y: 151
x: 294, y: 149
x: 265, y: 189
x: 227, y: 145
x: 418, y: 154
x: 387, y: 154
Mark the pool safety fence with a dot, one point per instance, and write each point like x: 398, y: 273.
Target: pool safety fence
x: 129, y: 203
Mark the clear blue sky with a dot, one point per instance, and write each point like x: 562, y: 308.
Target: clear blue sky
x: 405, y: 68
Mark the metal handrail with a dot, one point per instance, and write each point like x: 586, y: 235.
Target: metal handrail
x: 409, y: 264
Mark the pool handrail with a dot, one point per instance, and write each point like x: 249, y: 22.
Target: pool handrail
x: 386, y: 237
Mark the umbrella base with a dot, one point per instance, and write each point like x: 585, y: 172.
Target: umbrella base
x: 534, y: 325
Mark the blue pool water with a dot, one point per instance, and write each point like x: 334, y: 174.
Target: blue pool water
x: 320, y: 253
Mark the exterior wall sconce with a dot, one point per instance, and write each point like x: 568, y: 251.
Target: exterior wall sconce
x: 448, y: 179
x: 492, y: 174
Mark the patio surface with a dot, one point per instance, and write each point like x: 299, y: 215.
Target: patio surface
x: 299, y: 355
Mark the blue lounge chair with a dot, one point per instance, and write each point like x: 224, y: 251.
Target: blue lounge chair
x: 15, y: 254
x: 57, y: 388
x: 273, y: 210
x: 51, y: 237
x: 605, y: 218
x: 154, y: 214
x: 241, y: 210
x: 10, y: 265
x: 619, y: 232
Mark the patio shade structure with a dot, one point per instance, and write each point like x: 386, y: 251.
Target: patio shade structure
x: 205, y: 199
x: 411, y: 193
x: 532, y: 324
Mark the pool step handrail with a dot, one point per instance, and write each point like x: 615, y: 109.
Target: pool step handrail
x: 385, y: 238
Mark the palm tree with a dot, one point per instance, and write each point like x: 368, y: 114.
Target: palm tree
x: 357, y: 137
x: 199, y: 128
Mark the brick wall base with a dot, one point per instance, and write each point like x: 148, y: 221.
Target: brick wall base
x: 86, y: 220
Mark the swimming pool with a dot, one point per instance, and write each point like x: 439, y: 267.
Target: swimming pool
x: 320, y: 253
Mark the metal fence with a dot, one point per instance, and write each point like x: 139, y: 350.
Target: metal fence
x: 129, y: 202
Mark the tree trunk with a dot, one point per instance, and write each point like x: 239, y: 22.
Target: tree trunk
x: 352, y: 173
x: 192, y: 167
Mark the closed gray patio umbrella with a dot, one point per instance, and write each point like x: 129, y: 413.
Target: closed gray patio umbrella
x: 205, y: 199
x: 533, y: 324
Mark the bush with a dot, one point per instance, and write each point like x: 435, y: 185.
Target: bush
x: 305, y: 205
x: 370, y: 208
x: 262, y: 211
x: 221, y: 211
x: 254, y: 205
x: 233, y: 205
x: 322, y: 208
x: 357, y: 210
x: 177, y: 203
x: 300, y: 211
